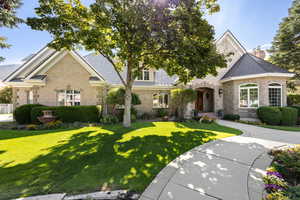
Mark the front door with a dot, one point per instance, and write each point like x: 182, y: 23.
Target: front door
x: 199, y: 102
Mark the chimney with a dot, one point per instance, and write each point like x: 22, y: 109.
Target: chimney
x: 258, y: 52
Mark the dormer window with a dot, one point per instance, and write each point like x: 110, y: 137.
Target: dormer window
x: 144, y: 75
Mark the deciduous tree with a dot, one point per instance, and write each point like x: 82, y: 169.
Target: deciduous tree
x: 136, y: 34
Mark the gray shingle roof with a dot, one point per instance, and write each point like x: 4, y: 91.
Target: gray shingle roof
x: 104, y: 67
x: 251, y: 65
x: 5, y: 70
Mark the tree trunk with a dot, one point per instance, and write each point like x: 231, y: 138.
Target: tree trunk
x: 128, y: 96
x: 127, y: 110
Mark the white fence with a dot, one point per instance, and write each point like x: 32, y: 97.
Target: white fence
x: 6, y: 108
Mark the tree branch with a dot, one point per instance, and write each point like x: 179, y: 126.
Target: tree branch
x: 115, y: 67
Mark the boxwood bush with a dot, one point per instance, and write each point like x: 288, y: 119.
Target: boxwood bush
x: 69, y: 114
x: 231, y: 117
x: 289, y: 116
x: 269, y: 115
x: 22, y: 114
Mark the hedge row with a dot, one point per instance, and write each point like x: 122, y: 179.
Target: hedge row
x: 69, y: 114
x: 286, y: 116
x: 22, y: 114
x: 27, y: 114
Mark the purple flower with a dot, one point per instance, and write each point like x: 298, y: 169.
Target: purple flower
x: 277, y: 174
x: 273, y: 187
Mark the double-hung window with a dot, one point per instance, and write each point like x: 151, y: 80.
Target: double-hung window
x: 68, y: 98
x: 275, y: 94
x: 249, y: 96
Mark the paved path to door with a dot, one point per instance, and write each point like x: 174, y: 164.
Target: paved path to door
x: 226, y: 169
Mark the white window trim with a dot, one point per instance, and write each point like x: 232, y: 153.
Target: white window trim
x: 143, y: 75
x: 253, y: 87
x: 281, y: 92
x: 65, y: 93
x: 159, y: 94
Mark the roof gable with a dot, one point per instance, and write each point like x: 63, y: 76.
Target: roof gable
x: 41, y: 62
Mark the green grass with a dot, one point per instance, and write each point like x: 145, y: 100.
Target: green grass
x: 283, y: 128
x: 93, y: 158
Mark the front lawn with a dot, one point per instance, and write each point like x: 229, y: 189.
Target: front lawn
x: 95, y: 158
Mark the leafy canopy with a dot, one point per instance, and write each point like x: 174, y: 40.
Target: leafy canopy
x: 8, y: 18
x: 286, y: 44
x: 136, y: 34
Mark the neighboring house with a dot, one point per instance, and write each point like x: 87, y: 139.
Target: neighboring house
x: 65, y: 78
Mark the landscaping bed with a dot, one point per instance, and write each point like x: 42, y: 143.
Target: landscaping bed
x: 282, y: 181
x: 99, y: 158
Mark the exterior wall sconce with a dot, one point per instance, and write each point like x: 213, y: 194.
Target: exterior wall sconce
x: 220, y: 92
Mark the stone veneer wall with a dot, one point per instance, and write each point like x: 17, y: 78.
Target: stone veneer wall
x: 231, y: 95
x: 146, y: 97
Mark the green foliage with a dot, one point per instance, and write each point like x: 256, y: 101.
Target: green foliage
x: 298, y: 108
x: 180, y: 98
x: 276, y: 196
x: 162, y: 112
x: 269, y: 115
x: 116, y: 96
x: 146, y: 116
x: 6, y: 95
x: 289, y: 116
x: 207, y: 120
x: 293, y: 192
x: 134, y: 35
x: 8, y: 18
x: 286, y: 47
x: 287, y: 162
x: 120, y: 113
x: 22, y: 114
x: 231, y: 117
x: 109, y: 119
x: 293, y: 99
x: 68, y: 114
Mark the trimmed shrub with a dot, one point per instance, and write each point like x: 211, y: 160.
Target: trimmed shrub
x: 120, y: 114
x: 22, y: 114
x: 69, y: 114
x: 269, y: 115
x: 109, y: 119
x: 231, y: 117
x: 298, y: 109
x: 161, y: 112
x: 289, y: 116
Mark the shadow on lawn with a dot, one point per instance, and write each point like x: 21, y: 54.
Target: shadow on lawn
x: 90, y: 161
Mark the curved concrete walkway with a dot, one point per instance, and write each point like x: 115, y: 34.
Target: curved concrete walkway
x: 226, y: 169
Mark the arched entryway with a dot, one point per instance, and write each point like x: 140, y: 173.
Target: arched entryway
x: 205, y: 100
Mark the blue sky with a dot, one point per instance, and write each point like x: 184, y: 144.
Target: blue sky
x: 254, y: 22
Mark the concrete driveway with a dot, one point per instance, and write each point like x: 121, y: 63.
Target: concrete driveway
x: 226, y: 169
